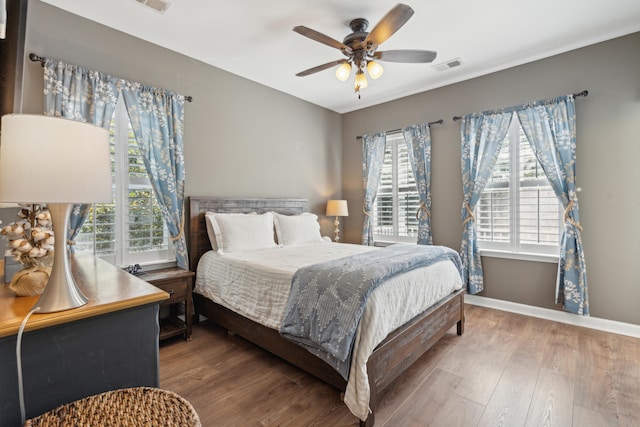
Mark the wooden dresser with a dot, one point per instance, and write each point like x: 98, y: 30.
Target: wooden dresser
x: 109, y: 343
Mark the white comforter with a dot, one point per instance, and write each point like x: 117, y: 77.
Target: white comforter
x: 256, y: 285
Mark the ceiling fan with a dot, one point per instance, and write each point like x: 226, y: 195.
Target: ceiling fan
x: 360, y: 47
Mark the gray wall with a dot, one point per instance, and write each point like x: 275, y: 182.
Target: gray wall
x: 608, y: 156
x: 241, y: 138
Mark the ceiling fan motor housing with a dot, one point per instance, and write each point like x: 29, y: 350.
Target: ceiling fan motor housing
x: 355, y: 40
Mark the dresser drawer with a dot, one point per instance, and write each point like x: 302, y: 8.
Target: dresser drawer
x: 177, y: 290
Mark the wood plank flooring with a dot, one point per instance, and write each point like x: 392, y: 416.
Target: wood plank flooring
x: 506, y: 370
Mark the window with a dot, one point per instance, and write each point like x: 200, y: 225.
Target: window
x: 130, y: 230
x: 397, y: 201
x: 518, y: 211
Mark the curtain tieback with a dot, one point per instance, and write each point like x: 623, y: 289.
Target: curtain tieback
x: 71, y: 242
x: 567, y: 211
x: 470, y: 212
x: 422, y: 207
x: 364, y: 209
x: 181, y: 232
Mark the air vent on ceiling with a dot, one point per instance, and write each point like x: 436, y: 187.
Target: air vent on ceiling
x: 452, y: 63
x: 157, y: 5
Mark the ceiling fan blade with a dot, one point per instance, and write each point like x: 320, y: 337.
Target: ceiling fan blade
x: 321, y: 67
x: 389, y: 24
x: 319, y: 37
x: 411, y: 56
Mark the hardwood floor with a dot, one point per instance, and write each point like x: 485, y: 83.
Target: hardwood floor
x: 506, y: 370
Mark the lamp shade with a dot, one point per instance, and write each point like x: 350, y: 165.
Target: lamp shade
x: 53, y: 160
x: 337, y: 208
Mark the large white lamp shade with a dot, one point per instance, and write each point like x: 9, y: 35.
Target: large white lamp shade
x: 58, y: 162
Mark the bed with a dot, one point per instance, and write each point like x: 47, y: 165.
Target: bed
x: 391, y: 357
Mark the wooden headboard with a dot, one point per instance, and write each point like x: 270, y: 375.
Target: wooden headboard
x: 199, y: 240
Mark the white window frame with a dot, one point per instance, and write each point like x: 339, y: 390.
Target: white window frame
x: 393, y: 139
x: 514, y: 248
x: 122, y: 182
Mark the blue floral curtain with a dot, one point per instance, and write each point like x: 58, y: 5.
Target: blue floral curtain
x: 373, y: 159
x: 482, y: 136
x: 418, y: 140
x: 157, y: 119
x: 79, y: 94
x: 550, y: 127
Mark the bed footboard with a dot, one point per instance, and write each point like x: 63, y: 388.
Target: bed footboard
x: 408, y: 343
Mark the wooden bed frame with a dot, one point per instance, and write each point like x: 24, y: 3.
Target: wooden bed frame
x: 393, y: 356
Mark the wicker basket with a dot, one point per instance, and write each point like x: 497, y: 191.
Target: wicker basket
x: 129, y: 407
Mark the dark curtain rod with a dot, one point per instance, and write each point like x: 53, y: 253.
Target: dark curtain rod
x: 41, y: 59
x: 437, y: 122
x: 575, y: 95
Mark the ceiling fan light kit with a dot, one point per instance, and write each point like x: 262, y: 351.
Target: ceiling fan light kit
x: 374, y: 69
x: 343, y: 72
x: 360, y: 48
x: 361, y: 81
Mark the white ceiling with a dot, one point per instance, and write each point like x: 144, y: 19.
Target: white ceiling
x: 254, y: 38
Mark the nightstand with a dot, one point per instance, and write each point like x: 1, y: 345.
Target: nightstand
x: 177, y: 282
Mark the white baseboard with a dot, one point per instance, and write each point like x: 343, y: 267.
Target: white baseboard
x: 557, y: 316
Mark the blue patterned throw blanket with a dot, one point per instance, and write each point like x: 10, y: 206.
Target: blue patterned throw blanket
x: 327, y: 299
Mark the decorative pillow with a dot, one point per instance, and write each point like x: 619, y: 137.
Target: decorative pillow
x: 233, y: 232
x: 297, y: 229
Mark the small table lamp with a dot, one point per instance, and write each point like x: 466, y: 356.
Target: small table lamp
x: 337, y: 208
x: 59, y: 162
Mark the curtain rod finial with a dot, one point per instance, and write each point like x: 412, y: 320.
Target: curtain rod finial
x: 36, y: 58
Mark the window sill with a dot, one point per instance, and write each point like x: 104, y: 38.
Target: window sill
x: 154, y: 265
x: 383, y: 243
x: 158, y: 265
x: 553, y: 259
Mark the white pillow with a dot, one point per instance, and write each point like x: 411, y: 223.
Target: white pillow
x: 297, y: 229
x: 233, y: 232
x: 208, y: 218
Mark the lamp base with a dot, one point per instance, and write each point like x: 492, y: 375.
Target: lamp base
x: 61, y: 292
x: 336, y: 231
